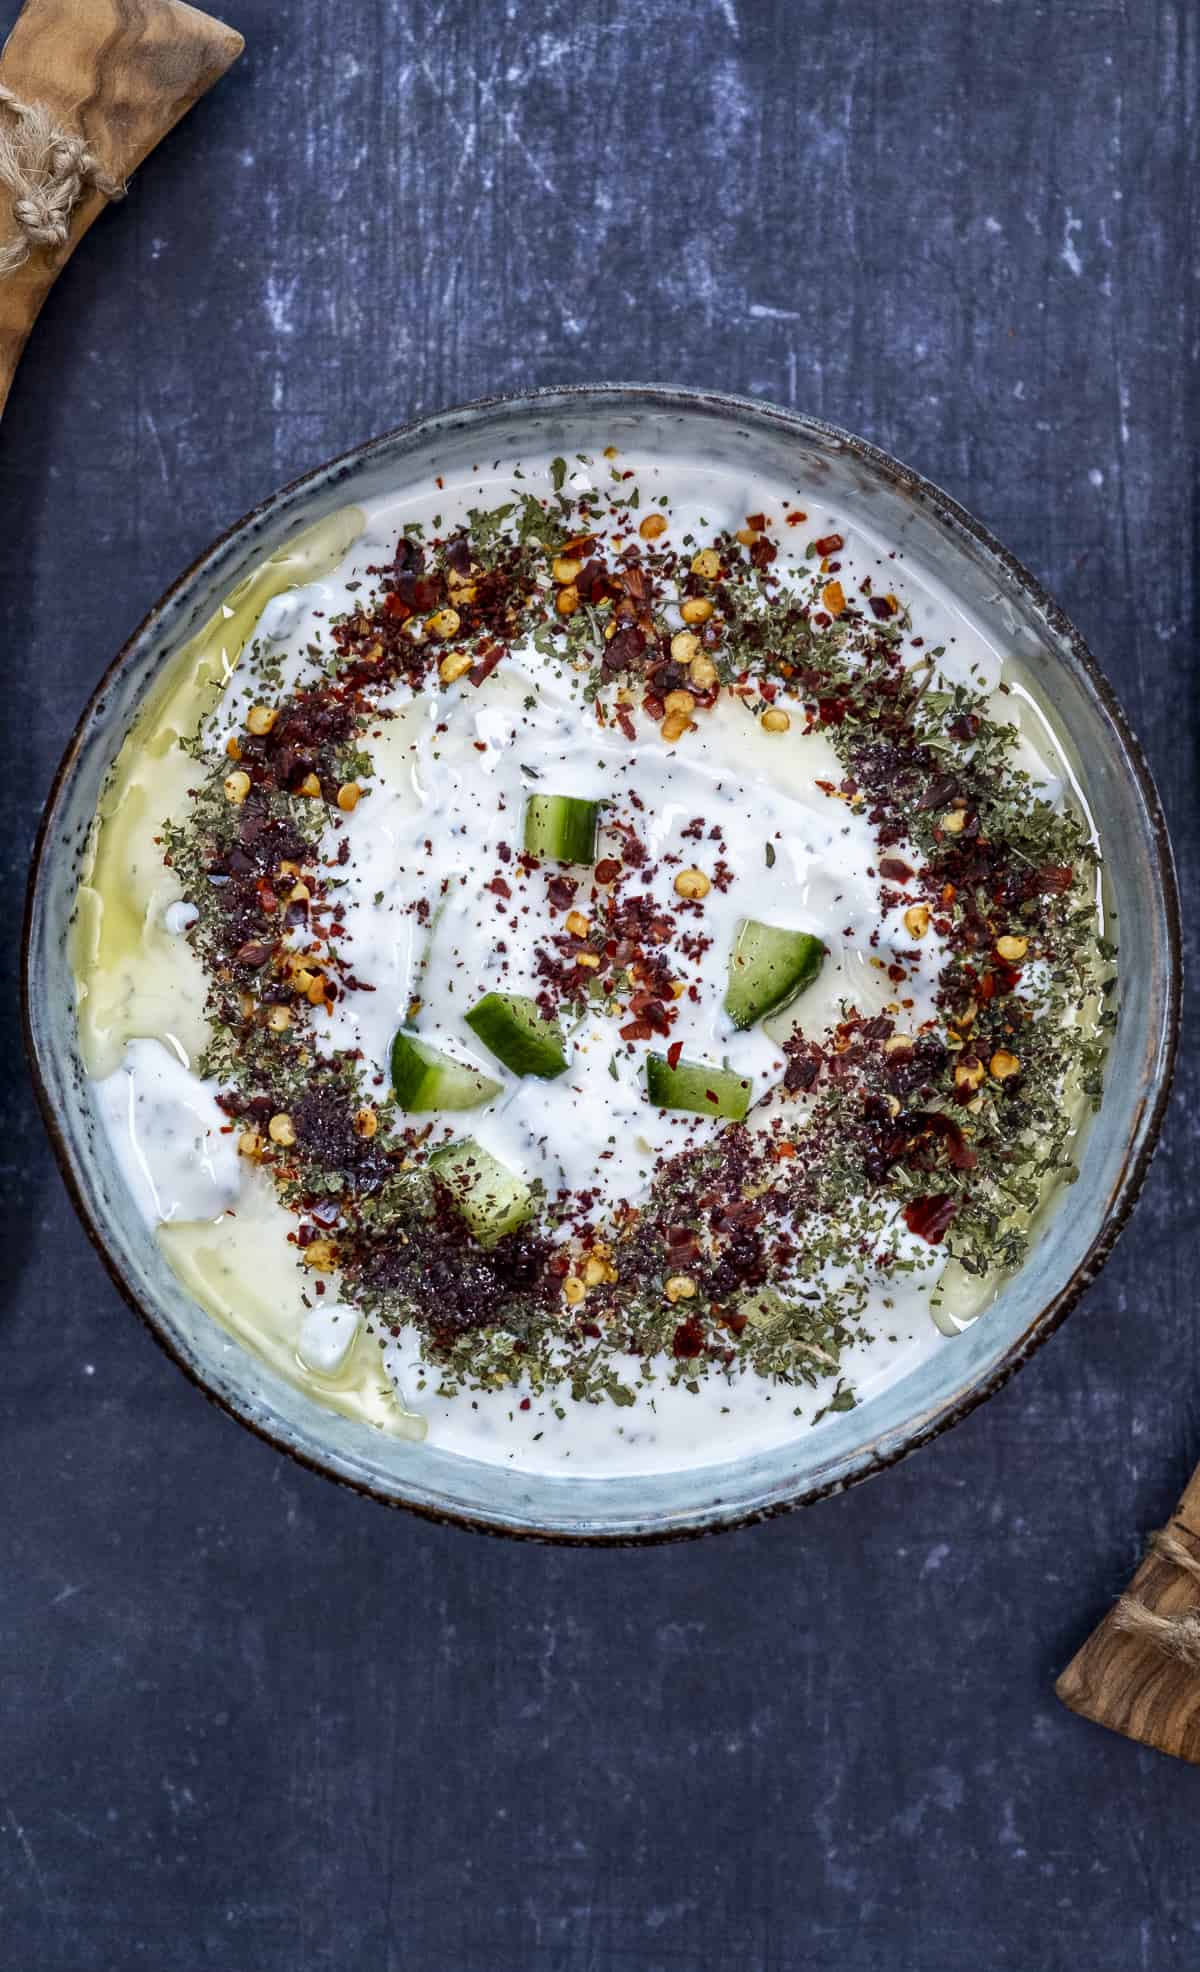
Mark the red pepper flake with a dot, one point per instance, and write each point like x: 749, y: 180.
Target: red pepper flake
x: 607, y: 870
x: 499, y: 887
x: 756, y: 521
x: 485, y: 666
x: 883, y: 607
x: 829, y: 544
x: 958, y: 1151
x: 255, y: 952
x: 895, y: 869
x: 929, y: 1218
x: 653, y: 1012
x: 394, y: 605
x: 688, y: 1339
x: 673, y: 1054
x: 1054, y: 880
x: 796, y: 516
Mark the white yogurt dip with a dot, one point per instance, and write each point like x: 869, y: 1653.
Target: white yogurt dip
x: 171, y: 1140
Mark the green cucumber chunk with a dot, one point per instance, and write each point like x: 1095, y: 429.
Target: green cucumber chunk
x: 491, y: 1199
x: 561, y: 827
x: 511, y: 1028
x: 767, y: 969
x: 694, y: 1085
x: 424, y: 1078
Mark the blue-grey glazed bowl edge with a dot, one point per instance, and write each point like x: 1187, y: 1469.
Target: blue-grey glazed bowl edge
x: 707, y: 1498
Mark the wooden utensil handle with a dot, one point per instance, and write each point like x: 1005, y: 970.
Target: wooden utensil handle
x: 119, y: 74
x: 1126, y: 1681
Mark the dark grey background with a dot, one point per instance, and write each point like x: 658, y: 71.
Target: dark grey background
x: 254, y: 1723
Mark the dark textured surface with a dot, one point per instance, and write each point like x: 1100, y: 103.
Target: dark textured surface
x: 254, y: 1722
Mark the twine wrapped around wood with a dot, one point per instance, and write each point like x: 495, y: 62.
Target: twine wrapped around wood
x: 46, y: 169
x: 1175, y: 1636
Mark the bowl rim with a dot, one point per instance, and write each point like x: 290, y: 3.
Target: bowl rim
x: 1148, y: 1119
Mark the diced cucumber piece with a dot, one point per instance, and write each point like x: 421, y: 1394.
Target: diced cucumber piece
x: 424, y: 1078
x: 511, y: 1028
x: 767, y: 969
x: 561, y: 827
x: 491, y: 1199
x: 693, y: 1085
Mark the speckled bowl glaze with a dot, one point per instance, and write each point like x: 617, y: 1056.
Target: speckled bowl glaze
x: 936, y: 535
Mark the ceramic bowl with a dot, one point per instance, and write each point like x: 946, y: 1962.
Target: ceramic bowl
x: 935, y: 534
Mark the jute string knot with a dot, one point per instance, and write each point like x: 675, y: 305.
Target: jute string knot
x: 46, y: 169
x: 1176, y: 1636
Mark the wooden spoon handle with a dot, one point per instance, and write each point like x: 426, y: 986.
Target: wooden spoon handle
x: 119, y: 74
x: 1126, y: 1681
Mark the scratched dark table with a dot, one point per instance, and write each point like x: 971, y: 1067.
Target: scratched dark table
x: 254, y: 1723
